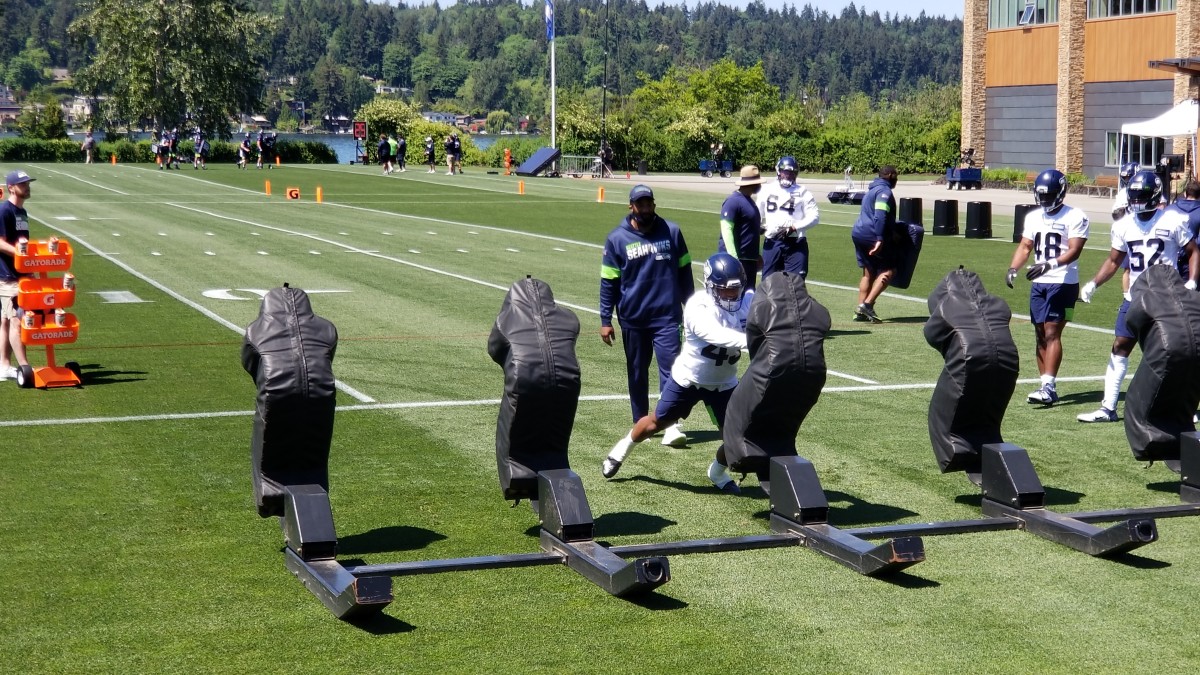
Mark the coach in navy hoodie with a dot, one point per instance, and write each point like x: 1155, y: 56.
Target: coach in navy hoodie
x: 646, y: 276
x: 871, y: 235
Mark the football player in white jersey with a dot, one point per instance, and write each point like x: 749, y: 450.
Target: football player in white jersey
x: 1055, y: 235
x: 1147, y: 236
x: 714, y: 326
x: 788, y: 209
x: 1121, y: 201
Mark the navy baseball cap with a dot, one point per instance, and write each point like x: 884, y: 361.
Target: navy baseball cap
x: 17, y: 177
x: 640, y: 192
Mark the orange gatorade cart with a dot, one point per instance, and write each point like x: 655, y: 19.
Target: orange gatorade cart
x: 45, y: 321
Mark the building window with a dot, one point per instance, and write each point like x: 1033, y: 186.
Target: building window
x: 1099, y: 9
x: 1121, y: 148
x: 1013, y: 13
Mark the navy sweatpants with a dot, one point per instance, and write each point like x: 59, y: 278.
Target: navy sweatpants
x: 641, y: 344
x: 785, y: 254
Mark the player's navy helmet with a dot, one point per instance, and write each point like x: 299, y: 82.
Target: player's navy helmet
x: 1050, y: 188
x: 785, y: 169
x: 725, y: 281
x: 1145, y: 192
x: 1127, y: 171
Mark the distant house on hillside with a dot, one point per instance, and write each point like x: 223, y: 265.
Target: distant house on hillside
x: 440, y: 117
x: 60, y: 74
x: 78, y: 110
x: 393, y: 91
x: 9, y: 110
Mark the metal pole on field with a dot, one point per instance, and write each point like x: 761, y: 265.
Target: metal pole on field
x: 550, y: 39
x: 604, y: 86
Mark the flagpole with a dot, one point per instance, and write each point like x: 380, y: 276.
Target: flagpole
x: 553, y: 101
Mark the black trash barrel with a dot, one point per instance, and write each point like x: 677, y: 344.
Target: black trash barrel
x: 945, y: 217
x: 642, y: 167
x: 911, y: 211
x: 979, y: 220
x: 1019, y: 213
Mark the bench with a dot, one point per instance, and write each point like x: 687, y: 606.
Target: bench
x: 1027, y: 184
x: 1102, y: 186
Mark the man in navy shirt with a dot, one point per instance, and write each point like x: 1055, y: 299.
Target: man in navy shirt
x: 741, y: 223
x: 872, y: 234
x: 646, y: 276
x: 398, y: 161
x: 1189, y: 204
x: 14, y: 224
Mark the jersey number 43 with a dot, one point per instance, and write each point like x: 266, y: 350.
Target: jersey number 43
x: 721, y: 355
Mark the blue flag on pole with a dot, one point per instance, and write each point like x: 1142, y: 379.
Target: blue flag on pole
x: 549, y: 20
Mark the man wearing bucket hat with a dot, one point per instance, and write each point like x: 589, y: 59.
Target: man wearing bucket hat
x: 14, y: 224
x: 646, y: 276
x: 741, y: 222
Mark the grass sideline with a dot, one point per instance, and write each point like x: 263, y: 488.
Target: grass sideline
x: 134, y: 545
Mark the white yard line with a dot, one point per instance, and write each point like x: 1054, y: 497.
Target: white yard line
x: 426, y: 268
x: 194, y: 305
x: 417, y: 405
x: 852, y: 378
x: 841, y: 287
x: 67, y: 175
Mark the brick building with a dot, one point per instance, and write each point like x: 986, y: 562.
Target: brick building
x: 1051, y: 82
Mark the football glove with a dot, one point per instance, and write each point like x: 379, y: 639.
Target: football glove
x: 1088, y: 290
x: 1041, y: 268
x: 1012, y: 274
x: 1190, y: 285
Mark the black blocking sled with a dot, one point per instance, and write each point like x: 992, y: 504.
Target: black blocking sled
x: 970, y: 328
x: 288, y: 351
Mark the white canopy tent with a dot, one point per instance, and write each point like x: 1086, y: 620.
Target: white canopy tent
x: 1182, y: 120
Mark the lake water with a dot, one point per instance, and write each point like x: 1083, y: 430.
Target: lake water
x: 344, y: 144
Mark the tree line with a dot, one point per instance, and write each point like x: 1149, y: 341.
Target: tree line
x: 479, y: 56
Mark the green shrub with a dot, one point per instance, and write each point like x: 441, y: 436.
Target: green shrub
x: 1074, y: 179
x: 1004, y: 175
x: 522, y: 148
x: 36, y: 150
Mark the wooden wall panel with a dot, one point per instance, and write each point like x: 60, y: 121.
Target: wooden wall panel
x: 1022, y: 56
x: 1117, y: 50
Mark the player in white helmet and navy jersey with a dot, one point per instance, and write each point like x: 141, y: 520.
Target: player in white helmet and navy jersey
x: 1147, y: 235
x: 714, y: 326
x: 1055, y: 235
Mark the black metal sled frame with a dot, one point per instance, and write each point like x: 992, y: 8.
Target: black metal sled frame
x: 1011, y: 489
x: 1013, y: 499
x: 798, y: 518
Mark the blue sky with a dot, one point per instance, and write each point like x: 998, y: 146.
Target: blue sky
x: 952, y: 8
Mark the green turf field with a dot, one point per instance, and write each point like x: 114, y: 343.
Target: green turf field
x: 133, y: 545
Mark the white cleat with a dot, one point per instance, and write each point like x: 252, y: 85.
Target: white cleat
x: 610, y: 467
x: 674, y: 437
x: 1101, y: 415
x: 719, y: 475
